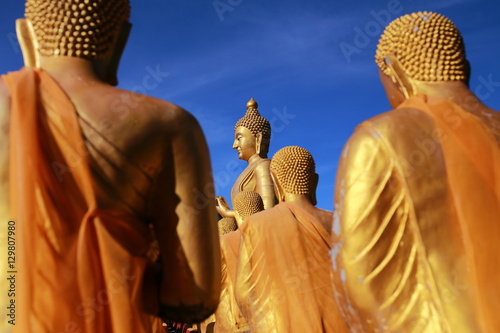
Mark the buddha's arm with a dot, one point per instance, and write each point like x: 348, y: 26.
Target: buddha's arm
x: 380, y: 267
x: 185, y: 225
x: 265, y: 185
x: 223, y: 208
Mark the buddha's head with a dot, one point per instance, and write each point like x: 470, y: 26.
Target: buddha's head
x: 245, y: 204
x: 294, y: 172
x: 226, y: 225
x: 252, y: 133
x: 95, y: 30
x: 420, y: 47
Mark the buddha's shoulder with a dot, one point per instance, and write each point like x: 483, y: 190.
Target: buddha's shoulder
x: 260, y: 167
x: 261, y: 164
x: 154, y: 112
x: 323, y: 213
x: 399, y: 114
x: 397, y: 121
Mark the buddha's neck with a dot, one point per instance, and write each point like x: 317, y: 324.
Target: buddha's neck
x: 63, y: 68
x: 456, y: 91
x: 254, y: 158
x: 302, y: 200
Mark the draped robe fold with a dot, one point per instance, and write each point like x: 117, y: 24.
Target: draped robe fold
x: 283, y: 281
x: 228, y: 315
x: 79, y: 268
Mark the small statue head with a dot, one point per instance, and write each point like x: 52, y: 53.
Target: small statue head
x: 252, y: 133
x: 422, y: 46
x: 247, y: 203
x: 226, y: 225
x: 95, y: 30
x: 294, y: 172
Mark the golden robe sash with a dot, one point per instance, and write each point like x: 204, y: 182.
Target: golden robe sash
x: 80, y: 268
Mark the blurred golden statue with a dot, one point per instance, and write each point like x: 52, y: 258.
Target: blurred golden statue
x: 417, y: 194
x: 228, y: 315
x: 86, y: 183
x: 226, y: 225
x: 283, y: 281
x: 251, y: 139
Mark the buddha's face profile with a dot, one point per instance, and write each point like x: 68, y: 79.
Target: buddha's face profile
x: 245, y: 143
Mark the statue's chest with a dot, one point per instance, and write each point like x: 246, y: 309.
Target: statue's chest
x: 245, y: 181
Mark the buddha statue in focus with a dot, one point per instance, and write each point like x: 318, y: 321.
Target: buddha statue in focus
x: 87, y: 181
x: 283, y: 281
x: 228, y: 316
x: 251, y: 139
x: 417, y: 193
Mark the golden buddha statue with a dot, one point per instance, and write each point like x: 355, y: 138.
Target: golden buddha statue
x: 283, y: 282
x: 417, y: 195
x: 228, y: 315
x: 251, y: 140
x: 84, y: 191
x: 247, y: 203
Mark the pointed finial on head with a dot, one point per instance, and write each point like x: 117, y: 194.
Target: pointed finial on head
x: 252, y: 104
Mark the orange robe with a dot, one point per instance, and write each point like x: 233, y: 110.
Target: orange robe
x: 79, y: 268
x: 283, y: 280
x: 417, y: 203
x: 228, y: 315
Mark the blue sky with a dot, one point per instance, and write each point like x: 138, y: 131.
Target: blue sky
x: 309, y: 65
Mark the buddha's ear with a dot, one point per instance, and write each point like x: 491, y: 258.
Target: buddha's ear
x: 314, y: 187
x: 258, y: 143
x: 399, y: 77
x: 467, y: 72
x: 107, y: 68
x: 28, y: 42
x: 278, y: 190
